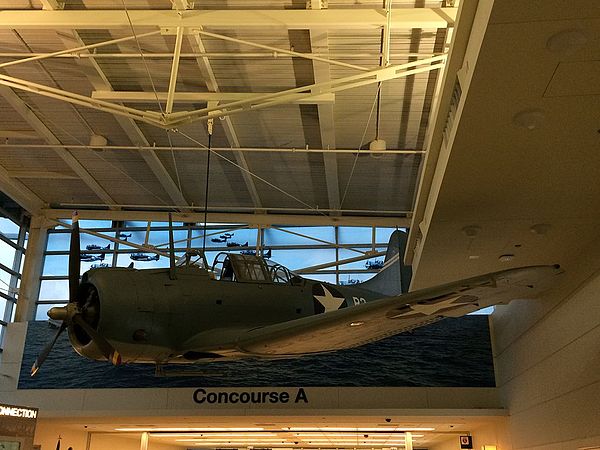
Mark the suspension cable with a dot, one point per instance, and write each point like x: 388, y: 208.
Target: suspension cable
x: 210, y: 132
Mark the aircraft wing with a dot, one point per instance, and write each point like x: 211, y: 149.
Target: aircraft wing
x: 361, y: 324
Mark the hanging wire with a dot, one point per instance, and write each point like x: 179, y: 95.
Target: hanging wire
x: 153, y: 90
x: 362, y: 139
x: 243, y: 169
x: 210, y: 133
x: 387, y: 5
x: 98, y: 155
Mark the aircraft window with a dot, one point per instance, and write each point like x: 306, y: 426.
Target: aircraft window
x: 243, y: 268
x: 280, y: 274
x: 249, y: 268
x: 222, y: 267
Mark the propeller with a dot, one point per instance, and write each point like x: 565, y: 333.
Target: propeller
x: 81, y: 311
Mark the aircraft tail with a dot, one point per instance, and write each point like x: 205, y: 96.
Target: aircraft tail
x: 394, y: 277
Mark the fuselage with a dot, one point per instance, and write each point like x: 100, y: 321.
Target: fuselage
x: 152, y: 316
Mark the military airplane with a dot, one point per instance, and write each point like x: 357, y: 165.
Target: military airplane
x: 97, y: 247
x: 88, y: 257
x: 144, y: 257
x: 245, y: 306
x: 349, y: 281
x: 266, y: 255
x: 237, y: 244
x: 374, y: 265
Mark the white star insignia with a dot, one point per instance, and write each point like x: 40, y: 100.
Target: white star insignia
x: 329, y: 301
x: 432, y: 308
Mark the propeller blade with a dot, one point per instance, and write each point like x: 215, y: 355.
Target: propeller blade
x: 107, y: 350
x: 46, y: 351
x: 74, y: 259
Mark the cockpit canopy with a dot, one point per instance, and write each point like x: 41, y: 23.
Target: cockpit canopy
x: 251, y: 269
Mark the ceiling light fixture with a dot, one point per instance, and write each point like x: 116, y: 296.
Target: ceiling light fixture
x: 377, y: 145
x: 182, y: 429
x: 540, y: 228
x: 529, y: 119
x: 566, y: 42
x: 361, y: 429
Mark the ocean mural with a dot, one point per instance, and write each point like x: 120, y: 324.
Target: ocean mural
x: 450, y: 353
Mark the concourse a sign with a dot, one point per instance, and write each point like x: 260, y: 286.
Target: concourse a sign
x: 204, y: 396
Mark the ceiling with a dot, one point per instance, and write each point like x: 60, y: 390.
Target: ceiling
x: 148, y: 94
x: 282, y: 432
x: 520, y: 175
x: 494, y: 159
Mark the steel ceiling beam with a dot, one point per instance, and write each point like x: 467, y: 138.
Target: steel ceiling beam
x: 224, y: 217
x: 311, y: 269
x: 337, y: 85
x: 174, y: 71
x: 199, y: 97
x: 36, y: 123
x: 331, y: 19
x: 260, y: 101
x: 52, y: 4
x: 156, y: 148
x: 188, y: 55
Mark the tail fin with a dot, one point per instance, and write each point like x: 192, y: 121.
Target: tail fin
x: 395, y: 277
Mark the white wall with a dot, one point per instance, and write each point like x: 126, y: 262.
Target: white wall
x: 494, y: 433
x: 547, y: 355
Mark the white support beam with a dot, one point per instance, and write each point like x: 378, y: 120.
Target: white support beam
x: 35, y: 122
x: 196, y: 148
x: 32, y: 269
x: 52, y: 4
x: 319, y: 42
x: 200, y: 97
x: 99, y: 80
x: 19, y: 192
x: 151, y: 117
x: 211, y: 83
x: 260, y: 101
x: 224, y: 217
x: 340, y: 262
x: 332, y: 19
x: 174, y: 70
x: 282, y: 97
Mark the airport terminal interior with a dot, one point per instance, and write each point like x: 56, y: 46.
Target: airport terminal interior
x: 238, y: 224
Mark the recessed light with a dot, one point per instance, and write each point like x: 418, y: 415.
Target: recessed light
x: 540, y: 228
x: 471, y: 230
x: 566, y: 42
x: 506, y: 258
x: 529, y: 119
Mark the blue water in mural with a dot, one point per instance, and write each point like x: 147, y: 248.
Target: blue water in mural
x: 453, y: 352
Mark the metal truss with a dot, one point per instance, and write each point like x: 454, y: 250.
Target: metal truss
x: 168, y: 119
